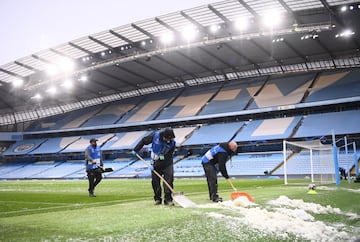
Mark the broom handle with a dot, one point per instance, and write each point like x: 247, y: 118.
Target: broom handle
x: 156, y: 173
x: 231, y: 184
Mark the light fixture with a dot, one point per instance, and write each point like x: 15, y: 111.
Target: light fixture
x: 103, y: 53
x: 52, y: 70
x: 351, y: 7
x: 189, y: 33
x: 214, y: 28
x: 310, y: 36
x: 68, y: 84
x: 346, y: 33
x: 143, y: 43
x: 37, y: 96
x: 83, y: 78
x: 343, y: 8
x: 271, y: 19
x: 167, y: 38
x: 241, y: 23
x: 66, y: 64
x: 51, y: 90
x: 278, y: 39
x: 17, y: 82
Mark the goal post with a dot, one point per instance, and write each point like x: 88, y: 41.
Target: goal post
x: 310, y: 159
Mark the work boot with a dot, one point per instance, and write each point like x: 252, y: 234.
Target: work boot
x: 92, y: 194
x: 168, y: 203
x: 217, y: 200
x: 157, y: 202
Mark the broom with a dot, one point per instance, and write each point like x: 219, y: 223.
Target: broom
x: 178, y: 197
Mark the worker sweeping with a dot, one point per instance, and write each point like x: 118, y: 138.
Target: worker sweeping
x: 162, y: 151
x: 214, y: 161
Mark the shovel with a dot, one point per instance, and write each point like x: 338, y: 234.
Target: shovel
x: 235, y: 194
x: 178, y: 197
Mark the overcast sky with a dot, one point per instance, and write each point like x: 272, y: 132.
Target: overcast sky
x: 28, y: 26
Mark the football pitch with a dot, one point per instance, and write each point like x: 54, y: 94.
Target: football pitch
x: 60, y: 210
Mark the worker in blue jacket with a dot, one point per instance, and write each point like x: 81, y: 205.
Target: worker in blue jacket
x: 214, y: 161
x: 162, y: 151
x: 94, y: 165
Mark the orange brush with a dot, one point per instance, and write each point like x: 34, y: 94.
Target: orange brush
x: 235, y: 194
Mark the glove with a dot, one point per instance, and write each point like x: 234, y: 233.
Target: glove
x: 151, y: 167
x: 134, y: 152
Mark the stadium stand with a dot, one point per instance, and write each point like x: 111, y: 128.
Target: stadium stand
x: 234, y: 96
x: 126, y: 140
x: 24, y: 147
x: 346, y: 122
x: 149, y: 107
x: 251, y: 164
x: 111, y: 114
x: 282, y: 91
x: 278, y: 128
x: 80, y: 144
x: 54, y: 145
x: 214, y: 133
x: 335, y: 85
x: 70, y: 120
x: 131, y: 170
x: 189, y: 103
x: 190, y: 167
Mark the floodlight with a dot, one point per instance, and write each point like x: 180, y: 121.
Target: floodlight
x: 343, y: 8
x: 51, y: 90
x: 143, y: 43
x: 37, y: 96
x: 68, y: 84
x: 346, y: 33
x: 83, y: 78
x: 67, y: 64
x: 271, y: 19
x: 189, y: 33
x: 52, y: 70
x: 351, y: 7
x: 214, y: 28
x: 103, y: 53
x: 242, y: 23
x: 167, y: 38
x: 17, y: 82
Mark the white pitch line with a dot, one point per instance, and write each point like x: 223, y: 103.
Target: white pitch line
x: 83, y: 205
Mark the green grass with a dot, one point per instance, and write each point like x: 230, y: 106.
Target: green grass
x: 123, y: 210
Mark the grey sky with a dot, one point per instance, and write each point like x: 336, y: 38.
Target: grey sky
x: 29, y: 26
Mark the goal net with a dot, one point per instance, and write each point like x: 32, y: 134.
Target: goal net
x: 309, y: 159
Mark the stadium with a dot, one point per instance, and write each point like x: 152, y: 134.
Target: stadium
x: 280, y: 78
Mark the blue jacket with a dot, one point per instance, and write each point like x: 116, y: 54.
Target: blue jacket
x: 217, y: 156
x: 93, y: 153
x: 161, y: 150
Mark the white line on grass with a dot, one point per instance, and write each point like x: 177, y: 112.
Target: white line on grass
x: 77, y: 205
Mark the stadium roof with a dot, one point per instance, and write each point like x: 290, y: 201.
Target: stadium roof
x: 221, y: 41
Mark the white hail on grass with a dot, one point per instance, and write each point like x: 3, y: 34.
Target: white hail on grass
x: 283, y: 216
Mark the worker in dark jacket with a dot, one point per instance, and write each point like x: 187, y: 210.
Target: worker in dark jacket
x: 162, y: 151
x: 94, y: 165
x: 214, y: 161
